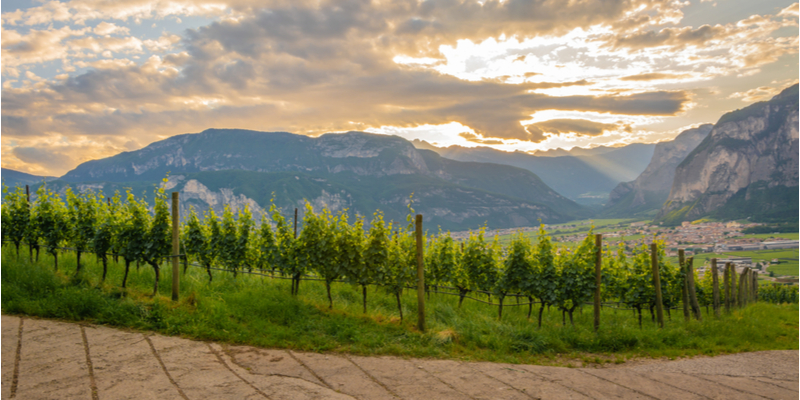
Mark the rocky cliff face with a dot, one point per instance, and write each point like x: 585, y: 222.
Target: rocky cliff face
x: 748, y: 154
x: 651, y: 188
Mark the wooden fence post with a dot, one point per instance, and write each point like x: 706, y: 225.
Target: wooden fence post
x: 734, y: 287
x: 685, y: 286
x: 657, y: 284
x: 420, y: 277
x: 598, y: 263
x: 715, y: 283
x: 727, y: 280
x: 175, y: 247
x: 28, y: 194
x: 755, y: 286
x: 692, y: 293
x: 743, y: 288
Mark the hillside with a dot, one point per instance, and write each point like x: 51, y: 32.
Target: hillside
x: 13, y: 178
x: 359, y: 171
x: 586, y: 178
x: 648, y: 192
x: 747, y: 167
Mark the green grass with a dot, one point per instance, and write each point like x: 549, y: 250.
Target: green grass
x: 789, y: 259
x: 777, y: 236
x: 260, y: 312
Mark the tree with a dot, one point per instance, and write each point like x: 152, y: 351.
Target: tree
x: 51, y: 219
x: 267, y: 245
x: 399, y: 271
x: 197, y: 239
x: 157, y: 243
x: 375, y: 256
x: 317, y: 247
x: 576, y: 276
x: 243, y: 248
x: 544, y: 282
x: 132, y: 230
x: 226, y: 242
x: 517, y: 270
x: 285, y: 256
x: 351, y: 246
x: 104, y: 234
x: 480, y: 261
x: 18, y: 216
x: 82, y: 212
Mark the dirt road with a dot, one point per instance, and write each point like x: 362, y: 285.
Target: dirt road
x: 54, y: 360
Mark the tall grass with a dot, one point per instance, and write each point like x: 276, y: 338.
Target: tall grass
x: 260, y: 311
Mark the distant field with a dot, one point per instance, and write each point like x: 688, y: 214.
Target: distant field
x: 789, y: 259
x: 583, y: 226
x: 787, y: 236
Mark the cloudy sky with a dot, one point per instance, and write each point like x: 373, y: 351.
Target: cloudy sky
x: 86, y: 79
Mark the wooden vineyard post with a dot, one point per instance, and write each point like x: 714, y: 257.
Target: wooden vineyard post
x: 734, y: 287
x: 727, y: 281
x: 295, y: 223
x: 175, y: 248
x: 420, y: 277
x: 692, y: 293
x: 742, y: 288
x: 715, y: 283
x: 755, y: 286
x: 598, y: 263
x: 685, y: 287
x: 657, y: 284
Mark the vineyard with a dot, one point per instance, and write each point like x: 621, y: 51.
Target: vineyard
x: 336, y: 253
x: 336, y: 248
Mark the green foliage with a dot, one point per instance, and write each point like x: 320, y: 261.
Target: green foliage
x: 15, y: 224
x: 544, y: 285
x: 778, y: 294
x: 480, y: 260
x: 517, y: 272
x: 226, y: 241
x: 50, y: 216
x: 82, y: 216
x: 576, y: 283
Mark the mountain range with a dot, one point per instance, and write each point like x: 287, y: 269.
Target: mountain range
x: 358, y: 171
x: 586, y: 176
x: 744, y: 166
x: 747, y: 167
x: 645, y: 195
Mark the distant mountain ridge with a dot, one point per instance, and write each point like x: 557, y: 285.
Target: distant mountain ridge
x: 354, y: 170
x: 12, y: 178
x: 595, y: 172
x: 747, y: 167
x: 648, y: 192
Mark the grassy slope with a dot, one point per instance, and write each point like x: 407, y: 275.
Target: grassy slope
x: 259, y: 311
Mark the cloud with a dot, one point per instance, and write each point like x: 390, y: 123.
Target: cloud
x: 105, y: 28
x: 577, y: 126
x: 470, y: 137
x: 758, y: 94
x: 319, y: 66
x: 653, y: 76
x: 48, y: 159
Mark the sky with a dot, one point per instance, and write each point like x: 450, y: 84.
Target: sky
x: 87, y: 79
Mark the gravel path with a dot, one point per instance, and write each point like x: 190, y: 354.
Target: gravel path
x: 55, y: 360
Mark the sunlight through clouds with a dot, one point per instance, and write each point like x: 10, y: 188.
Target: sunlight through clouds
x: 89, y: 75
